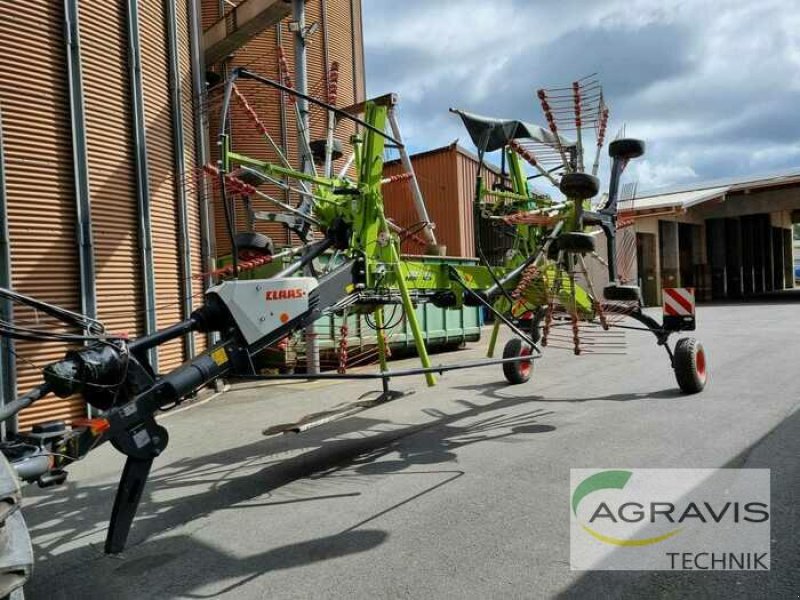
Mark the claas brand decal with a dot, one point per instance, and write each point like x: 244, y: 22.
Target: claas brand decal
x: 288, y: 294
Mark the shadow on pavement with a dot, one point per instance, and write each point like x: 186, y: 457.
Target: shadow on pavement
x: 778, y: 451
x: 490, y: 390
x: 65, y: 521
x: 217, y: 571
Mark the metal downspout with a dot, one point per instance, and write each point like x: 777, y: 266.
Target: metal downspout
x: 8, y: 374
x: 143, y: 184
x: 301, y: 85
x: 80, y: 161
x: 201, y: 147
x: 176, y: 101
x: 284, y: 127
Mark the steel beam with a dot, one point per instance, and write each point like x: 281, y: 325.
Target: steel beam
x: 80, y: 161
x: 176, y: 100
x: 201, y: 142
x: 142, y: 179
x: 8, y: 383
x: 241, y: 25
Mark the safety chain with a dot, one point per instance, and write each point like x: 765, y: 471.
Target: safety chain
x: 333, y: 83
x: 528, y: 275
x: 251, y: 112
x: 343, y: 334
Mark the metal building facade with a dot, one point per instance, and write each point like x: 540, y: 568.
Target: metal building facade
x: 92, y: 172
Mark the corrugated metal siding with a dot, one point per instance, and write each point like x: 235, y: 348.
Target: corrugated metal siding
x: 209, y: 10
x: 261, y: 56
x: 262, y: 53
x: 446, y: 178
x: 161, y: 173
x: 111, y: 171
x: 493, y: 242
x: 437, y: 174
x: 39, y: 178
x: 341, y: 31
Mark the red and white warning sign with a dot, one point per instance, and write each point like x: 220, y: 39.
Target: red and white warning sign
x: 678, y: 302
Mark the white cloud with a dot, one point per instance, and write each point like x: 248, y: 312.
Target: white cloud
x: 651, y: 175
x: 713, y: 87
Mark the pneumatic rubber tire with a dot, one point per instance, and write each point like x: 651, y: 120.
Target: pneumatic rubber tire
x: 626, y: 148
x: 318, y: 150
x: 576, y: 242
x: 622, y: 293
x: 579, y: 186
x: 520, y: 371
x: 689, y: 362
x: 257, y: 242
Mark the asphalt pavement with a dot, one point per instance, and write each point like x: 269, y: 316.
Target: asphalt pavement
x: 456, y: 491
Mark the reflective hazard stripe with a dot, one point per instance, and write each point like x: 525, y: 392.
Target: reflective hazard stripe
x: 678, y: 301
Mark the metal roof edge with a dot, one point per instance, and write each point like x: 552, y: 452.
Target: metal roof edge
x: 449, y: 147
x: 742, y: 182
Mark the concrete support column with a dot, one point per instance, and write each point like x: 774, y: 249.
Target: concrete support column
x: 769, y: 259
x: 759, y: 285
x: 733, y: 258
x: 777, y: 258
x: 748, y: 267
x: 715, y: 236
x: 670, y: 254
x: 788, y: 259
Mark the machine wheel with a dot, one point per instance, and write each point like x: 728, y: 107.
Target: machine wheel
x: 626, y: 148
x: 622, y: 293
x: 318, y: 150
x: 517, y: 372
x: 254, y: 242
x: 689, y: 362
x: 552, y: 251
x: 576, y: 242
x: 579, y: 186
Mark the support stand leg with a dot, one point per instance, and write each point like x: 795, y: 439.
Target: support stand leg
x: 493, y: 339
x: 129, y: 493
x: 411, y: 315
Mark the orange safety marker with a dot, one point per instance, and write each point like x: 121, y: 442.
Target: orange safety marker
x: 679, y: 309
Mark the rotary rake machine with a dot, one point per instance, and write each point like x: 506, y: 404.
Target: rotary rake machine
x: 554, y: 296
x: 267, y: 294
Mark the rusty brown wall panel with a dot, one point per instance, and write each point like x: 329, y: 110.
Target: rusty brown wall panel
x: 161, y: 173
x: 467, y: 171
x: 39, y: 179
x: 112, y: 185
x: 340, y: 49
x: 438, y: 180
x: 209, y: 13
x: 447, y: 180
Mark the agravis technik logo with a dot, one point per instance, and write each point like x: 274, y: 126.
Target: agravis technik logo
x: 705, y: 519
x: 605, y: 480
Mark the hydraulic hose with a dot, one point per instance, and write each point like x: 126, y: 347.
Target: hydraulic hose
x: 24, y: 401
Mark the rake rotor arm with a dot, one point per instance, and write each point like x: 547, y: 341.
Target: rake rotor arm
x: 338, y: 111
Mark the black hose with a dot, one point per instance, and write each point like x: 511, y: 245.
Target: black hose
x: 24, y: 401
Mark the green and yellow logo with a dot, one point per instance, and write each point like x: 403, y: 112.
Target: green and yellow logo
x: 610, y: 480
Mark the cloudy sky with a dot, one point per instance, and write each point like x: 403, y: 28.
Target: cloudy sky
x: 713, y: 87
